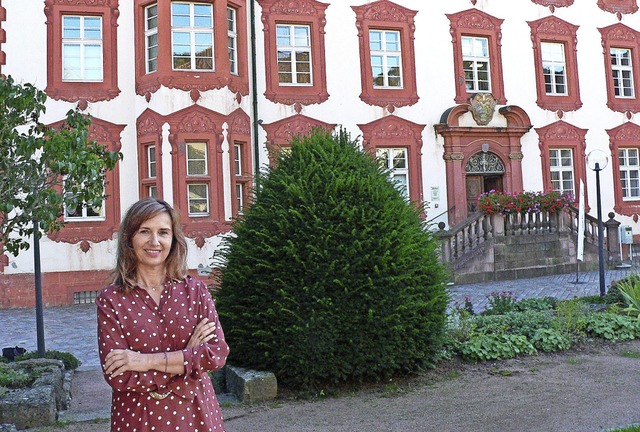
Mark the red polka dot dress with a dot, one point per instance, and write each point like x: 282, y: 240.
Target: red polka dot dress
x: 155, y: 401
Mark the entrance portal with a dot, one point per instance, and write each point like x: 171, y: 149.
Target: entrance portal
x: 484, y: 172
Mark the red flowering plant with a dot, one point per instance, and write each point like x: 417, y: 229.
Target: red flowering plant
x: 494, y: 202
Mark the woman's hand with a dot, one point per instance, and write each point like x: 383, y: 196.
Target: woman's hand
x: 120, y: 361
x: 203, y: 333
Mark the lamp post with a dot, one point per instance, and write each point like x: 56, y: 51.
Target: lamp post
x: 597, y: 161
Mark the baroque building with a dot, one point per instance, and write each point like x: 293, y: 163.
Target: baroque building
x: 457, y: 98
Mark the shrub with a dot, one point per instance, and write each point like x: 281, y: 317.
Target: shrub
x: 496, y: 346
x: 15, y: 378
x: 517, y: 323
x: 500, y: 303
x: 629, y: 289
x: 613, y: 327
x: 331, y: 276
x: 571, y: 316
x: 536, y: 304
x: 70, y: 361
x: 549, y: 340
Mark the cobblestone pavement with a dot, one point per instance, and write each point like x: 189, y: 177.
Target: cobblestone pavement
x: 73, y: 328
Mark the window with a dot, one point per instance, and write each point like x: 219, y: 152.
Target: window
x: 554, y: 68
x: 232, y: 40
x: 196, y: 159
x: 151, y: 161
x: 149, y: 134
x: 177, y: 45
x: 151, y: 37
x: 562, y: 147
x: 475, y: 61
x: 561, y: 167
x: 477, y: 55
x: 621, y: 61
x: 192, y: 36
x: 198, y: 199
x: 241, y: 177
x: 397, y: 145
x: 198, y: 193
x: 81, y: 48
x: 94, y: 224
x: 395, y: 160
x: 386, y: 58
x: 294, y: 51
x: 240, y: 197
x: 294, y: 54
x: 82, y: 51
x: 629, y: 173
x: 622, y: 71
x: 556, y: 64
x: 387, y: 54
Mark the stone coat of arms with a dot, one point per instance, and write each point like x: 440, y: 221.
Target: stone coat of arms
x: 483, y: 105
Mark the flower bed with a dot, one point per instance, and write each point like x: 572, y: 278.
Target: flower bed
x: 526, y: 202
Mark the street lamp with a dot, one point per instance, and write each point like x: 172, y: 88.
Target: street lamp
x: 597, y: 161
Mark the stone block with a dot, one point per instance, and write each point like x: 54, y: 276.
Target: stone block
x: 29, y: 407
x: 8, y: 428
x: 251, y: 386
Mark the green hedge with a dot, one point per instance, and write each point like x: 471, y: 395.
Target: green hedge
x: 331, y: 276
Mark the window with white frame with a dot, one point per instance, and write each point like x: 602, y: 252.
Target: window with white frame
x: 197, y: 191
x: 152, y: 191
x: 82, y: 48
x: 561, y: 167
x: 294, y: 54
x: 475, y: 63
x: 240, y: 196
x: 81, y: 211
x: 554, y: 68
x: 237, y: 159
x: 232, y: 39
x: 629, y: 173
x: 151, y: 161
x: 395, y: 160
x: 192, y: 36
x: 622, y: 70
x: 151, y: 37
x: 386, y: 58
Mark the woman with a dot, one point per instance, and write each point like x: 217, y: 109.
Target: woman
x: 158, y: 330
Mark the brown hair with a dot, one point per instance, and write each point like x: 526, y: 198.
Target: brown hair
x: 124, y: 274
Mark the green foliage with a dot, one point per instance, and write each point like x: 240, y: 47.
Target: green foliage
x: 550, y: 340
x: 500, y: 303
x: 15, y: 378
x: 31, y: 186
x: 70, y: 361
x: 629, y: 289
x: 613, y: 327
x: 613, y: 294
x: 536, y: 304
x: 571, y: 316
x: 516, y: 323
x: 496, y: 346
x: 331, y: 276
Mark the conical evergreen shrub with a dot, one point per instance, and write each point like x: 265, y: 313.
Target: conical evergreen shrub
x: 330, y: 276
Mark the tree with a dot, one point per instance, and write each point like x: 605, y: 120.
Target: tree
x: 42, y: 170
x: 331, y: 276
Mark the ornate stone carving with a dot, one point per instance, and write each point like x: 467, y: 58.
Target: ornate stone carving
x: 628, y: 132
x: 293, y: 7
x: 517, y: 156
x: 453, y: 156
x: 618, y: 7
x: 393, y: 129
x: 621, y: 33
x: 554, y: 26
x: 482, y: 107
x: 197, y: 122
x: 475, y: 21
x: 484, y: 163
x: 386, y: 11
x: 561, y: 132
x: 85, y: 246
x: 240, y: 125
x: 552, y: 4
x: 147, y: 124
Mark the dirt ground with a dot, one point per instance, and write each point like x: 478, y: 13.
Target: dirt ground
x: 593, y: 388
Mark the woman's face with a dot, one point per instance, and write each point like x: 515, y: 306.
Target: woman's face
x: 152, y: 242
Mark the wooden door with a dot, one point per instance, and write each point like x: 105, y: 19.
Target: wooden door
x: 475, y: 186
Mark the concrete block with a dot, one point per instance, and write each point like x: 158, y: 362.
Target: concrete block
x: 251, y: 386
x: 29, y: 407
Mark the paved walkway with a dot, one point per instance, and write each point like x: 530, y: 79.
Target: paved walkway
x: 73, y: 328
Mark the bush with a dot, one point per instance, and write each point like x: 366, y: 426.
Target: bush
x: 496, y: 346
x: 613, y: 327
x: 571, y: 317
x: 500, y: 303
x: 15, y: 378
x: 70, y: 361
x: 536, y: 304
x: 331, y: 276
x: 515, y: 323
x: 549, y: 340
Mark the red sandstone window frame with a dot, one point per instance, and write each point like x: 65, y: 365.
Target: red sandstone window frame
x: 3, y: 39
x: 618, y: 6
x: 554, y: 30
x: 394, y: 132
x: 475, y: 23
x: 562, y: 135
x: 149, y: 132
x: 387, y: 16
x: 239, y: 132
x: 621, y: 36
x: 303, y: 12
x: 107, y: 134
x: 88, y: 91
x: 194, y: 81
x: 626, y: 135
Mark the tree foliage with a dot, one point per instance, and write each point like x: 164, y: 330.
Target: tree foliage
x: 331, y: 276
x: 35, y: 160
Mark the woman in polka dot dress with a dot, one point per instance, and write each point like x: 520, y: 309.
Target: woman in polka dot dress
x: 158, y: 330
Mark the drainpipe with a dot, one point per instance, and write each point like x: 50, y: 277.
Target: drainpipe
x: 254, y: 91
